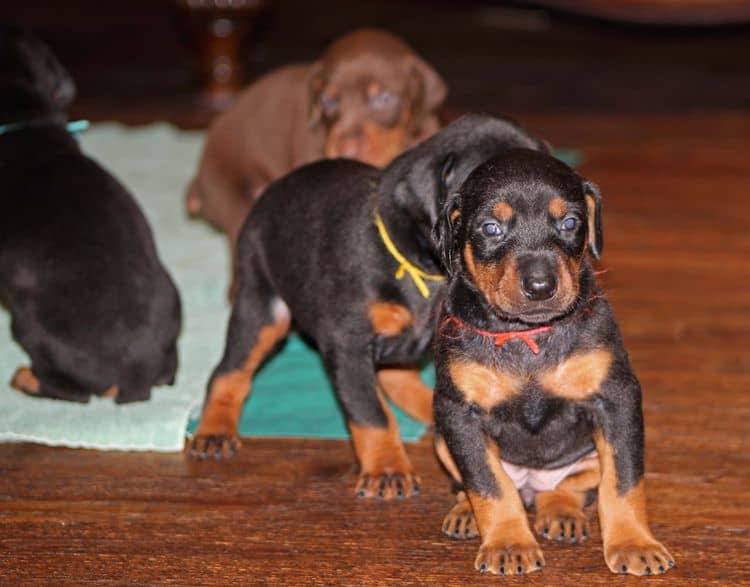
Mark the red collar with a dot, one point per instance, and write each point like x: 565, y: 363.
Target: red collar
x: 500, y: 338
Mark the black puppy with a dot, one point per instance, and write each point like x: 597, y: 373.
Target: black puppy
x: 89, y: 300
x: 345, y: 250
x: 534, y: 389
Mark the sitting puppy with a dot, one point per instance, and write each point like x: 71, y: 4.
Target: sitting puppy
x: 89, y: 300
x: 534, y: 389
x: 369, y: 97
x: 346, y: 251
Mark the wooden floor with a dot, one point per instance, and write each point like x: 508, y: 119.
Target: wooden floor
x: 670, y: 147
x: 677, y: 203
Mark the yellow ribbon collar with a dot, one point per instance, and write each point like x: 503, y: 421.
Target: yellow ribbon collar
x: 417, y: 275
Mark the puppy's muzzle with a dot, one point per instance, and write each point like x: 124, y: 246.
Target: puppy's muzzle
x: 349, y: 144
x: 538, y: 278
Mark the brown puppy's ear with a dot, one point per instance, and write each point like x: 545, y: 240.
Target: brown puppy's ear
x: 434, y: 89
x: 315, y: 85
x: 594, y: 215
x: 445, y: 228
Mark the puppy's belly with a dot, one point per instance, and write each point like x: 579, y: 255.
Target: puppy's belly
x: 530, y: 481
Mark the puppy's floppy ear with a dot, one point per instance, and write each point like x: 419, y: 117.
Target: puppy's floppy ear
x: 594, y: 207
x: 448, y: 172
x: 315, y: 85
x: 59, y: 85
x: 434, y: 88
x: 444, y: 231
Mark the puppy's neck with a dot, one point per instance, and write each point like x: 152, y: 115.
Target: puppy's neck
x: 410, y: 235
x: 27, y: 107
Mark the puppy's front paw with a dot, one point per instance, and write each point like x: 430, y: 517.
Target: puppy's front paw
x: 459, y: 523
x: 388, y: 485
x: 509, y: 559
x: 214, y: 446
x: 645, y: 558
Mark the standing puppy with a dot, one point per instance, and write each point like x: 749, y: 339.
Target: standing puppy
x: 369, y: 97
x: 89, y: 300
x: 534, y: 391
x: 345, y: 250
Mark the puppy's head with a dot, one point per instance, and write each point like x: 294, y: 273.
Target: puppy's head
x: 418, y: 182
x: 518, y: 231
x: 373, y: 95
x: 33, y: 83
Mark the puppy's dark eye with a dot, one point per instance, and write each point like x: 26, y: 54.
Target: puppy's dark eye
x: 492, y: 229
x: 383, y: 100
x: 568, y: 224
x: 329, y: 103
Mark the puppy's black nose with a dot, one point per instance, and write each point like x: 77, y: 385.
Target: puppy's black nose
x: 539, y: 286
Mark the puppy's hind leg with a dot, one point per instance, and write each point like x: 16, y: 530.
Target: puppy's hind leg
x: 559, y: 512
x: 259, y: 321
x: 405, y: 388
x: 459, y: 522
x: 168, y: 368
x: 385, y: 470
x: 49, y: 385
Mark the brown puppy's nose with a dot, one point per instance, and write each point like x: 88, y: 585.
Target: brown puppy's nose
x: 349, y: 143
x: 539, y: 286
x: 349, y: 147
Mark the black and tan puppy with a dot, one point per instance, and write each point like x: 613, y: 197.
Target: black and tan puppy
x: 535, y: 394
x: 89, y: 300
x: 345, y: 251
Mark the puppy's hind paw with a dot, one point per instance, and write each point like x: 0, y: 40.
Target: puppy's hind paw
x: 459, y: 523
x: 213, y: 446
x: 24, y: 380
x: 388, y: 486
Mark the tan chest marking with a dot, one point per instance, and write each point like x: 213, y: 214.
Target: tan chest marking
x: 579, y: 376
x: 483, y: 386
x: 389, y: 319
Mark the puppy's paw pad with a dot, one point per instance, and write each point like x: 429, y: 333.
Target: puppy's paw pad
x: 459, y: 523
x: 639, y: 559
x: 512, y: 559
x: 214, y: 446
x: 388, y: 486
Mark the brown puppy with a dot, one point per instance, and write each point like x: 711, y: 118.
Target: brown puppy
x: 369, y: 97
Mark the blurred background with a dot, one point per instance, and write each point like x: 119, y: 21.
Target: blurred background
x: 137, y: 61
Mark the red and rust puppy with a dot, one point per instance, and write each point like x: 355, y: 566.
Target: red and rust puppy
x: 369, y: 98
x: 89, y: 300
x: 345, y: 250
x: 535, y: 395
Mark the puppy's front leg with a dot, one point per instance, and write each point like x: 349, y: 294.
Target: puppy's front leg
x: 508, y: 545
x: 629, y: 546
